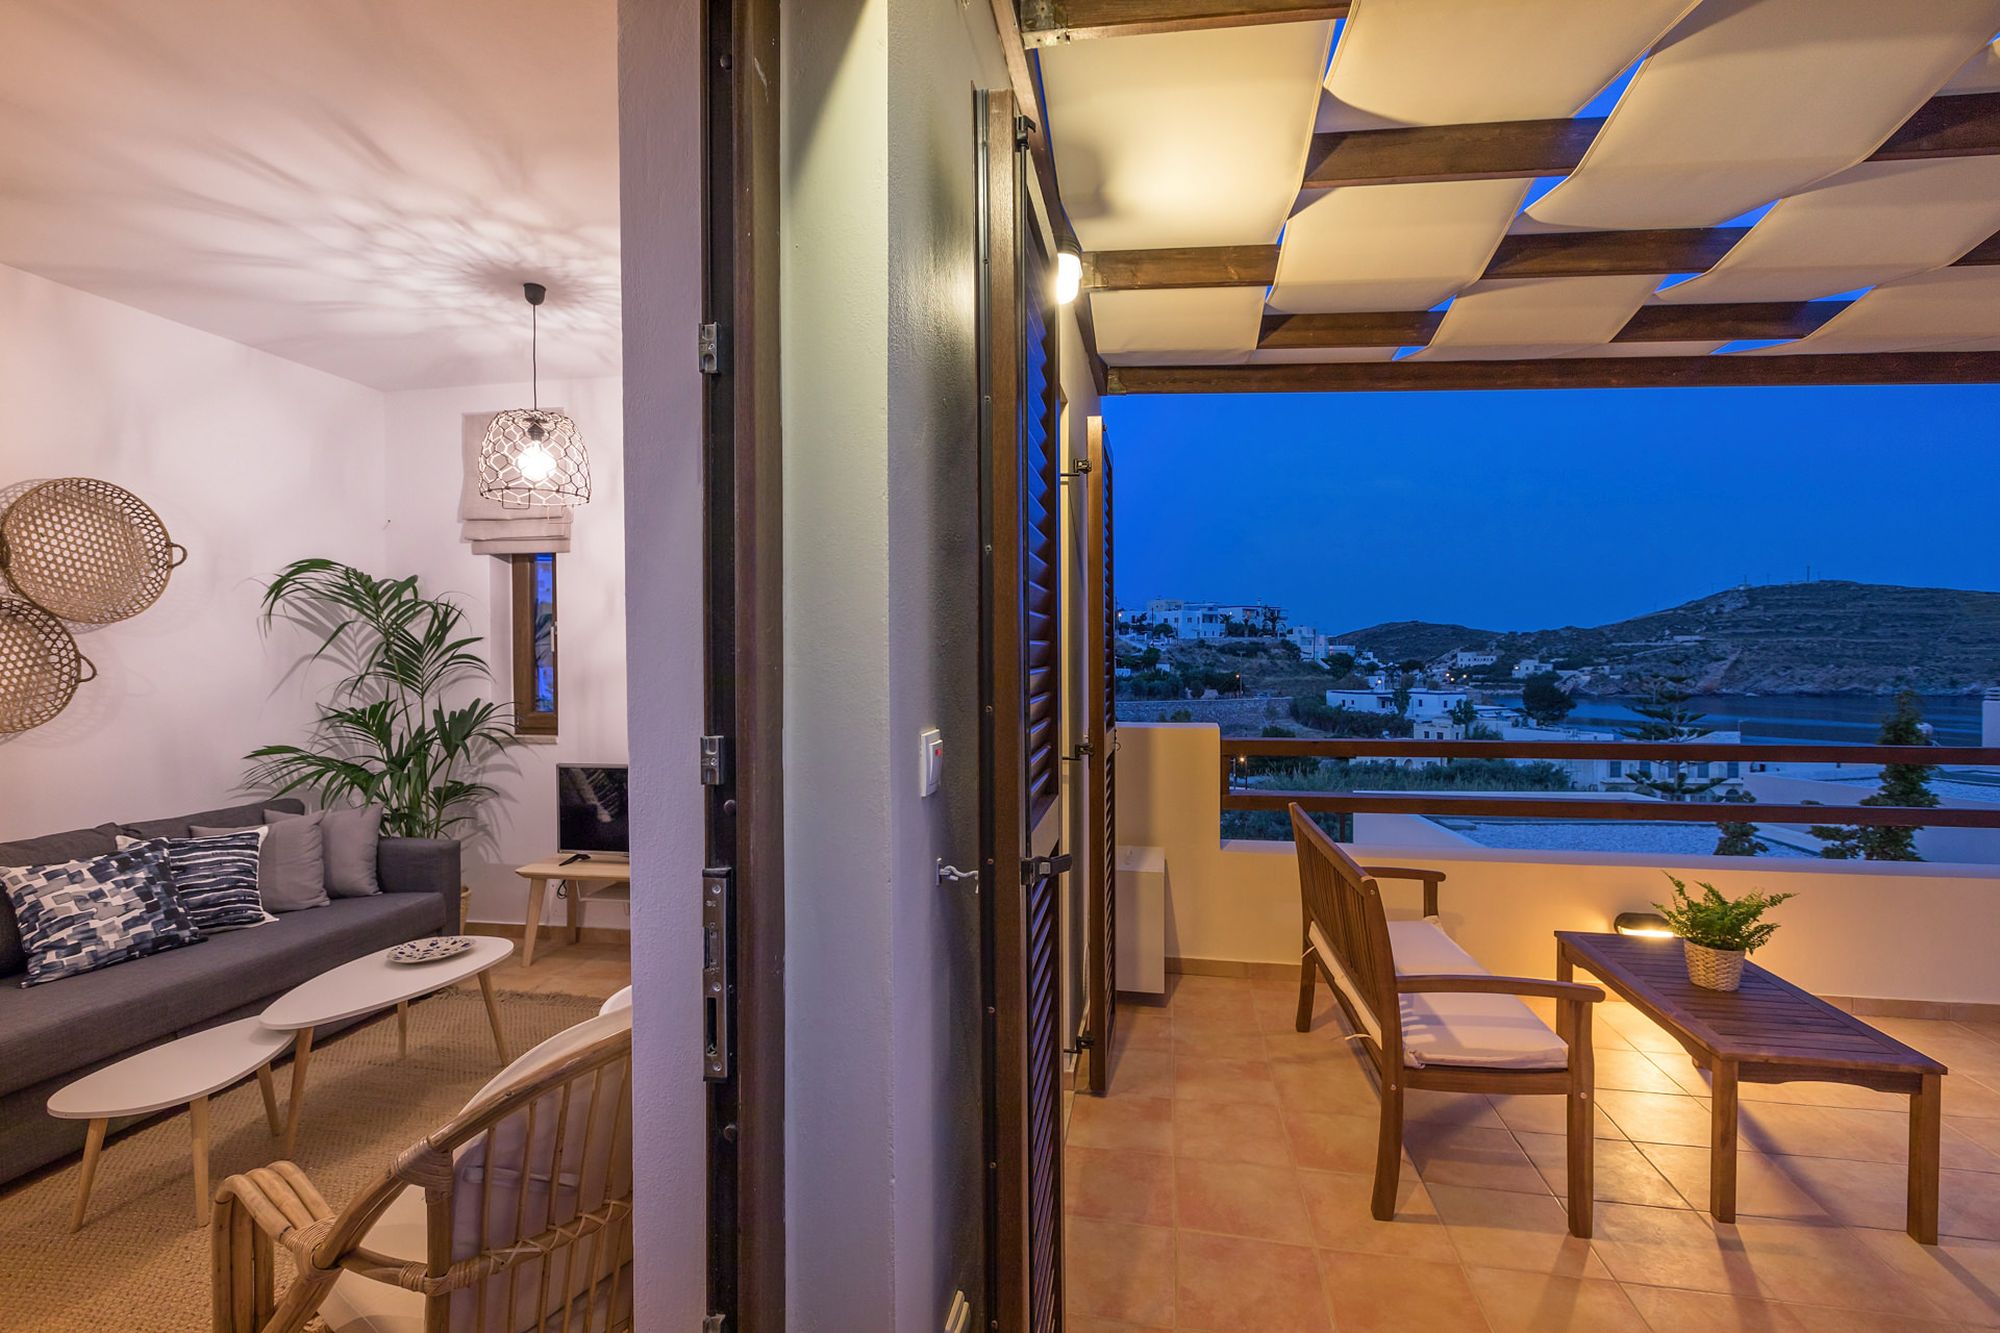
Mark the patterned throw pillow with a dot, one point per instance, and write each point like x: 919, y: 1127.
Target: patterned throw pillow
x: 84, y: 915
x: 215, y: 879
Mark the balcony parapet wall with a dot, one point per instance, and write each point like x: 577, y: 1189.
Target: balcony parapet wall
x: 1866, y: 931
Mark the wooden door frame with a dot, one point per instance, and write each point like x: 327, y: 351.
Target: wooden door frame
x: 743, y: 659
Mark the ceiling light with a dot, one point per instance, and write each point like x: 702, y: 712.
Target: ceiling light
x: 532, y: 456
x: 1069, y: 275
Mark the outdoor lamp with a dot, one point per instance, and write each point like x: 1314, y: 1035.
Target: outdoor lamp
x: 531, y: 456
x: 1650, y: 925
x: 1069, y: 274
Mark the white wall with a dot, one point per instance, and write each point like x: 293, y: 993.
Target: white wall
x: 1915, y: 932
x: 251, y: 462
x: 420, y: 500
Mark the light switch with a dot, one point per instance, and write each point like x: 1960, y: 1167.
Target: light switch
x: 932, y: 768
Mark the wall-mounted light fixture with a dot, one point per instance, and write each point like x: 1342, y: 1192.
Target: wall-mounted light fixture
x: 531, y: 456
x: 1069, y: 273
x: 1650, y: 925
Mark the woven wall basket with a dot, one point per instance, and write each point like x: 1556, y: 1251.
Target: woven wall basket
x: 87, y: 551
x: 40, y: 666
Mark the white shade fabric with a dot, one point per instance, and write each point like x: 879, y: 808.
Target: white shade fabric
x: 1194, y: 138
x: 1189, y: 326
x: 1455, y: 62
x: 1956, y: 309
x: 1391, y: 247
x: 1869, y: 224
x: 1529, y: 317
x: 1748, y: 100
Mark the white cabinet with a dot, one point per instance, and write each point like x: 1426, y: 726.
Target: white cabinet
x: 1141, y: 893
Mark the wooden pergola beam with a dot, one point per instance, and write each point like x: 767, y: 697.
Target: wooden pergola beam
x: 1569, y: 254
x: 1720, y: 322
x: 1967, y: 125
x: 1649, y: 372
x: 1052, y: 22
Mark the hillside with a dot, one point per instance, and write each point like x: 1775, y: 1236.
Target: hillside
x: 1791, y: 638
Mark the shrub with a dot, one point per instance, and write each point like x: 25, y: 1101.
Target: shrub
x: 1719, y: 922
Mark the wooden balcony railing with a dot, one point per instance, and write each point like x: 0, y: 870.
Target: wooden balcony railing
x: 1238, y: 751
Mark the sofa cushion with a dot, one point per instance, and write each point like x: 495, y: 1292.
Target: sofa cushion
x: 215, y: 879
x: 56, y: 848
x: 230, y: 817
x: 82, y: 1020
x: 79, y: 916
x: 1479, y: 1031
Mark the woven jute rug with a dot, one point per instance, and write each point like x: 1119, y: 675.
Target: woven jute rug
x: 141, y: 1264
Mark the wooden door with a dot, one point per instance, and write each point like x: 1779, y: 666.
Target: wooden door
x: 1100, y: 610
x: 1020, y: 750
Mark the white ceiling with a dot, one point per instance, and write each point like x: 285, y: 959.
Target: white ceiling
x: 357, y: 185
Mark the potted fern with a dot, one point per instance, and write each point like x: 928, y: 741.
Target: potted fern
x: 397, y: 730
x: 1718, y: 933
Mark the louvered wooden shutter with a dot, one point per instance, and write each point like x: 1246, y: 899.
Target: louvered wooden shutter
x: 1041, y: 573
x: 1101, y: 667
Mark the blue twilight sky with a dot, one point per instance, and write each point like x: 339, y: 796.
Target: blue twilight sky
x: 1533, y: 509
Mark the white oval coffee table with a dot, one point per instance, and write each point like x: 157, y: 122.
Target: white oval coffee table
x: 182, y: 1072
x: 369, y: 985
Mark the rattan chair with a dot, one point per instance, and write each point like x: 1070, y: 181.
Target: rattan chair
x: 542, y: 1241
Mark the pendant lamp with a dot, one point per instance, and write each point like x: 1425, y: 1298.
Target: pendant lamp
x: 532, y: 456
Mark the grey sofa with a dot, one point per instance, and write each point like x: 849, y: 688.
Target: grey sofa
x: 55, y: 1032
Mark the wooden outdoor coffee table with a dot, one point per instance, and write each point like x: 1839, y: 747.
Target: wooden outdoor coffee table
x: 1769, y: 1031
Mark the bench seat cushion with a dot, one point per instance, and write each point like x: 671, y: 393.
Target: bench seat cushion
x: 1475, y: 1031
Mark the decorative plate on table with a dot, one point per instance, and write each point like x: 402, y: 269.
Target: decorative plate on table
x: 430, y: 950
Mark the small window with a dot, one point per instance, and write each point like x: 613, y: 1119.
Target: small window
x: 535, y: 644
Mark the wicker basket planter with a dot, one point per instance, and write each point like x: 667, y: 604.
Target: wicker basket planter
x: 1714, y: 969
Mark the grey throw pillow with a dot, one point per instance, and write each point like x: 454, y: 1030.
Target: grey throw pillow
x: 351, y: 838
x: 291, y: 867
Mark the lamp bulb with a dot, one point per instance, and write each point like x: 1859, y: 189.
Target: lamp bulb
x: 536, y: 463
x: 1069, y: 276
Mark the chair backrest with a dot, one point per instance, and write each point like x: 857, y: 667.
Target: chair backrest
x: 528, y: 1195
x: 1339, y: 898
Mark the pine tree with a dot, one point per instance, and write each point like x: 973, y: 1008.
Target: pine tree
x: 1739, y: 837
x: 1902, y: 784
x: 1668, y: 717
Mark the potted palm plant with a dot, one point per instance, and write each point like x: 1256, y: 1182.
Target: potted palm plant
x: 397, y: 730
x: 1718, y: 933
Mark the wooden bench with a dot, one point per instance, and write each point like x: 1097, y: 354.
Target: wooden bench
x: 1767, y: 1031
x: 1428, y: 1016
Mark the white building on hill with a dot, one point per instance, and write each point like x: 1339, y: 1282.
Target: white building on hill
x: 1424, y: 703
x: 1210, y: 620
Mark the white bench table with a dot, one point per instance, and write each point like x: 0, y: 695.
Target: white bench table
x: 184, y: 1072
x: 369, y: 985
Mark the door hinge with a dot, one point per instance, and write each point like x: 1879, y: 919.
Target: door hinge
x: 709, y: 354
x: 715, y: 989
x: 1039, y: 867
x: 714, y: 761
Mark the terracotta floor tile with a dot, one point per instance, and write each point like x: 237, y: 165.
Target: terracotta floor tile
x: 1119, y: 1186
x: 1826, y: 1319
x: 1232, y: 1004
x: 1339, y: 1205
x: 1073, y: 1324
x: 1141, y: 1031
x: 1218, y: 1041
x: 1231, y: 1132
x: 1622, y: 1173
x: 1965, y: 1048
x: 1985, y: 1133
x: 1671, y: 1247
x: 1822, y: 1264
x: 1450, y: 1110
x: 1639, y: 1031
x: 1220, y: 1079
x: 1541, y: 1303
x: 1961, y: 1277
x: 1380, y: 1294
x: 1238, y: 1199
x: 1967, y: 1095
x: 1142, y: 1073
x: 1527, y: 1232
x: 1546, y: 1115
x: 1225, y: 1284
x: 1475, y: 1158
x: 1668, y: 1310
x: 1333, y: 1086
x: 1113, y: 1270
x: 1651, y: 1117
x: 1332, y: 1142
x: 1764, y: 1185
x: 1875, y: 1194
x: 1143, y: 1124
x: 1632, y: 1071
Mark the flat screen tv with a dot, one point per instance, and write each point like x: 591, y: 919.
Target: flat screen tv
x: 591, y: 810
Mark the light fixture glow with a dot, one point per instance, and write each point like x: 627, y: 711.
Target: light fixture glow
x: 1069, y: 276
x: 1647, y: 925
x: 532, y: 456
